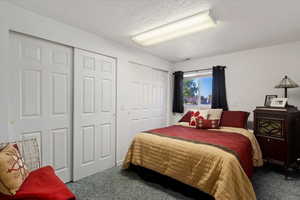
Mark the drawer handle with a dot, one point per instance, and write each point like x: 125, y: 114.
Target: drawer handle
x: 268, y: 140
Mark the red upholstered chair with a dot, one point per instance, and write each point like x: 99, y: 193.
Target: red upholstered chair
x: 42, y: 182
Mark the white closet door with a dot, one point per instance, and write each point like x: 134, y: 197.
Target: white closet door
x: 40, y: 104
x: 148, y: 89
x: 94, y: 113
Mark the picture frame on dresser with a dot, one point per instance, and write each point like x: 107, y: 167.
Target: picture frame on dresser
x: 279, y: 102
x: 268, y: 99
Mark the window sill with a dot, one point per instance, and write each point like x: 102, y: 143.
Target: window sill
x: 202, y: 106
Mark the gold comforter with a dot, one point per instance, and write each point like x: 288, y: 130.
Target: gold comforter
x: 202, y: 166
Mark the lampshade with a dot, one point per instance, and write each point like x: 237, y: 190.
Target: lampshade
x: 286, y: 82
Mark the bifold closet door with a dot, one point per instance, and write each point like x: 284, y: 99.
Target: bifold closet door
x: 40, y: 98
x: 148, y: 98
x: 94, y: 113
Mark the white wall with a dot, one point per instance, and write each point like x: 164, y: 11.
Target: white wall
x: 252, y: 74
x: 23, y: 21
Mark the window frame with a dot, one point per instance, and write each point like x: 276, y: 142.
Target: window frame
x: 192, y: 76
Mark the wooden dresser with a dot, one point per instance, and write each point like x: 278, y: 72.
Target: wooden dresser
x: 278, y: 133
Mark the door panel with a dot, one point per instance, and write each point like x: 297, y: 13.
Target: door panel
x: 94, y: 113
x: 40, y: 98
x: 88, y: 147
x: 88, y: 94
x: 30, y: 93
x: 148, y: 92
x: 106, y: 140
x: 106, y: 95
x: 60, y: 94
x: 60, y: 139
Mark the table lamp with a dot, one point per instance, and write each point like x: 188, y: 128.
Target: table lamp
x: 286, y: 83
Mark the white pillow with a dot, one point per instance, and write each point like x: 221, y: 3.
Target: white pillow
x: 204, y: 113
x: 214, y: 114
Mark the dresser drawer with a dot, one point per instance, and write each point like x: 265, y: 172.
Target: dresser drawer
x: 270, y: 127
x: 271, y: 148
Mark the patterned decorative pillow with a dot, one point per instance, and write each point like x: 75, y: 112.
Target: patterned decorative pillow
x: 13, y: 171
x: 201, y: 114
x: 207, y: 124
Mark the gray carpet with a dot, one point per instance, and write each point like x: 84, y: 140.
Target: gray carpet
x: 113, y: 184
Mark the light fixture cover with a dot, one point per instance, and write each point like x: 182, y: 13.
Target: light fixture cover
x: 182, y: 27
x: 196, y: 74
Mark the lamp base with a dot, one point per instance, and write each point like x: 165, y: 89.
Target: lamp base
x: 285, y: 92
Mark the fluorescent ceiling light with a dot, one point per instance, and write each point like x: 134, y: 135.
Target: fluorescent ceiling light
x: 182, y: 27
x: 195, y: 74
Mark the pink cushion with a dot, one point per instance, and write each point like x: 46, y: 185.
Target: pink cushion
x: 236, y: 119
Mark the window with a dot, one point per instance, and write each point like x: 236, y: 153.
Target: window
x: 197, y: 89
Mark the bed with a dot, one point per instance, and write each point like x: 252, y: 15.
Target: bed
x: 217, y: 161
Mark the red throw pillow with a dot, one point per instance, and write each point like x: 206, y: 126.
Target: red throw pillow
x: 236, y: 119
x: 202, y: 114
x: 194, y: 117
x: 207, y: 124
x: 42, y: 184
x: 186, y: 117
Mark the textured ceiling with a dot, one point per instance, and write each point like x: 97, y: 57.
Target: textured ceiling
x: 242, y: 24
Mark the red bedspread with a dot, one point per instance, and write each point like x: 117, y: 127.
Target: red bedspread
x: 234, y: 143
x: 42, y: 184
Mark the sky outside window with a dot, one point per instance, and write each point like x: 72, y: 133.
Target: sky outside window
x: 198, y: 91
